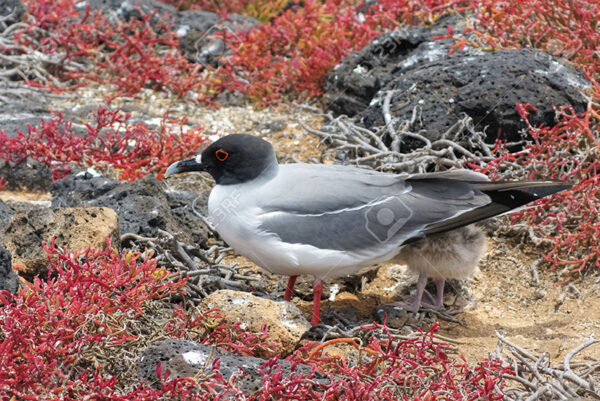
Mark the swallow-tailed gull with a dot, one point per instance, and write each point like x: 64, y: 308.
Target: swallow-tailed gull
x: 329, y: 221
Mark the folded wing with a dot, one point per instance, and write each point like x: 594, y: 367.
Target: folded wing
x: 349, y: 209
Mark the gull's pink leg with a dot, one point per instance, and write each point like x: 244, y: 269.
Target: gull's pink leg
x: 289, y: 289
x: 416, y: 303
x: 317, y: 291
x: 439, y: 285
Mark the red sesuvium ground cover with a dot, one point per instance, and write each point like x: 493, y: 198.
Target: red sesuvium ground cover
x: 86, y: 301
x: 110, y: 141
x: 128, y: 55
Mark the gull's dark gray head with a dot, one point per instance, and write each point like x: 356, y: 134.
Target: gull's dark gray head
x: 233, y: 159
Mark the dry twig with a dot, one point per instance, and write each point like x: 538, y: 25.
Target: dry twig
x: 367, y: 147
x: 203, y: 268
x: 537, y: 379
x: 22, y: 59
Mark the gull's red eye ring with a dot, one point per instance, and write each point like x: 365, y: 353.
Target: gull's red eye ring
x: 221, y: 155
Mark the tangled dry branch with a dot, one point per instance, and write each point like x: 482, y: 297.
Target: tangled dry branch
x: 24, y: 58
x: 202, y: 268
x: 535, y: 378
x: 365, y: 147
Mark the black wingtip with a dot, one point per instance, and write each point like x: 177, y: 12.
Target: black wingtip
x: 516, y: 197
x: 505, y: 196
x: 541, y: 192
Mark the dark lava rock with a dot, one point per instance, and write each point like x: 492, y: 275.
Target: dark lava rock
x: 14, y: 8
x: 6, y: 212
x: 127, y: 9
x: 143, y: 206
x: 186, y: 358
x: 485, y: 87
x: 196, y: 30
x: 81, y: 189
x: 28, y: 174
x: 9, y: 280
x: 74, y: 229
x: 351, y: 85
x: 196, y: 20
x: 21, y: 106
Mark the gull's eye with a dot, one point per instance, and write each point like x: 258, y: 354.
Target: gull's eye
x: 221, y: 155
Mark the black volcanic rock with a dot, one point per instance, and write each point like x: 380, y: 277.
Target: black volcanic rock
x: 351, y: 85
x: 485, y: 87
x: 28, y: 174
x: 13, y: 8
x: 143, y: 206
x: 9, y: 280
x: 197, y: 34
x: 183, y: 358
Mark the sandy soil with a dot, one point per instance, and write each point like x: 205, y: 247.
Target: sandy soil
x: 43, y: 198
x: 541, y: 315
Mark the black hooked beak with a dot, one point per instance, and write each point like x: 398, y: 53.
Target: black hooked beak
x: 182, y: 166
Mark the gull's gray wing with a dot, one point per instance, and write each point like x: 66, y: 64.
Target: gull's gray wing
x: 350, y: 209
